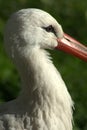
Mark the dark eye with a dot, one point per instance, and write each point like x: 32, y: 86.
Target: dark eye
x: 50, y: 28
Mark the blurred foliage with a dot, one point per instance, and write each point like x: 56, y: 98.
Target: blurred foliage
x: 72, y: 14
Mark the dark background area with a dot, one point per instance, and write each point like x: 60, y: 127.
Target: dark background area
x: 72, y: 15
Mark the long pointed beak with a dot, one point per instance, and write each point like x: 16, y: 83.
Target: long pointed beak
x: 71, y: 46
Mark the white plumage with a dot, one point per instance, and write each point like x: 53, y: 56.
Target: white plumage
x: 44, y: 102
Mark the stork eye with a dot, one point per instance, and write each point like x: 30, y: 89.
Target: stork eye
x: 50, y: 28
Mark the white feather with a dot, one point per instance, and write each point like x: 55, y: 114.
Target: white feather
x: 44, y: 102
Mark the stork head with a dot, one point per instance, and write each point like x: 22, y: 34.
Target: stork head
x: 31, y: 28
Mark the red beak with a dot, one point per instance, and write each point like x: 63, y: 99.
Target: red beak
x: 71, y: 46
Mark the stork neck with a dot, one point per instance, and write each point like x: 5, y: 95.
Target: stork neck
x: 36, y: 70
x: 40, y: 91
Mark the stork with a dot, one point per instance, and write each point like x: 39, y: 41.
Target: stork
x: 44, y: 102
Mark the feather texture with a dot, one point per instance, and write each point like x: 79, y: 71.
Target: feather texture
x: 44, y: 102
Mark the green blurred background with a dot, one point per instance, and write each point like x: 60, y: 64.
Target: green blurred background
x: 72, y: 15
